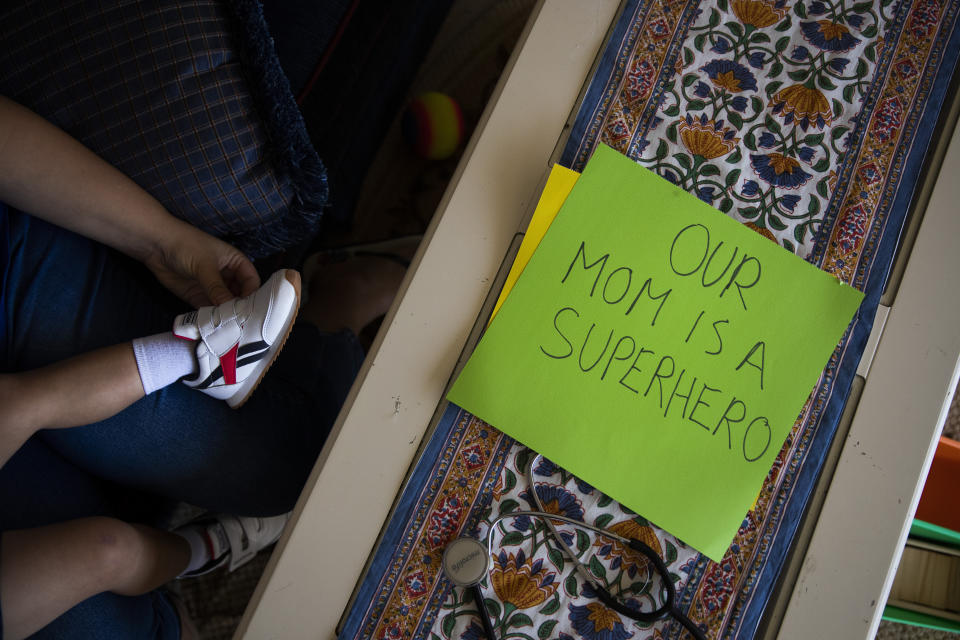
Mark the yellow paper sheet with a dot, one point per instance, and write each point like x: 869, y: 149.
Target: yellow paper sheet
x: 558, y: 187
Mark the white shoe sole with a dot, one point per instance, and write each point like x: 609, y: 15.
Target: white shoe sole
x: 247, y: 387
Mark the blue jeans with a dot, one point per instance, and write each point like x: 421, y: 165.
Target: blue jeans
x: 63, y: 294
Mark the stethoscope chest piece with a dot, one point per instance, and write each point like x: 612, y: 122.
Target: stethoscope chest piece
x: 465, y: 561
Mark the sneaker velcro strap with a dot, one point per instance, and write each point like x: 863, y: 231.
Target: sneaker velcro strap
x: 248, y: 536
x: 219, y: 328
x: 242, y: 550
x: 185, y: 326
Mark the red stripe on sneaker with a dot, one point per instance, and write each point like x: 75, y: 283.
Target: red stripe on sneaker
x: 208, y: 541
x: 228, y: 364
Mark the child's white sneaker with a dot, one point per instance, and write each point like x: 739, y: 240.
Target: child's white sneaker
x: 233, y: 540
x: 238, y: 340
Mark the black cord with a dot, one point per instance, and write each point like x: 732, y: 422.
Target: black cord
x: 484, y: 616
x: 666, y: 608
x: 688, y: 624
x: 641, y: 616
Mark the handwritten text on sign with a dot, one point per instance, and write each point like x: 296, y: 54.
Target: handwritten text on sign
x: 657, y: 349
x: 641, y: 369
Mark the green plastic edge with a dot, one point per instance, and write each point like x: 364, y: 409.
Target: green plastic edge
x: 913, y: 618
x: 934, y: 533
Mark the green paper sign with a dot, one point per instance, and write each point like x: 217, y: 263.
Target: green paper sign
x: 658, y: 350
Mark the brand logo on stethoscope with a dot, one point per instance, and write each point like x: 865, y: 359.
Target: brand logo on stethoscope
x: 465, y: 561
x: 458, y: 565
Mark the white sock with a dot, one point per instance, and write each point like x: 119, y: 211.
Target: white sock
x: 163, y: 359
x: 199, y: 550
x: 206, y: 544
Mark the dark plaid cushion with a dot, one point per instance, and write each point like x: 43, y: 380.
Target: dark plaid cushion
x: 185, y: 97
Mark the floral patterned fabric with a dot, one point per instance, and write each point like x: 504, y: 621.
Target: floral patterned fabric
x: 808, y: 121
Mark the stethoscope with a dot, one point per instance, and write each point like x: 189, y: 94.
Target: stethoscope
x: 466, y: 561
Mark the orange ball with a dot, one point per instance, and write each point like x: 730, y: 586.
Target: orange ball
x: 433, y: 125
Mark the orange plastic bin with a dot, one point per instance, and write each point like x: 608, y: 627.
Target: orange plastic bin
x: 941, y: 494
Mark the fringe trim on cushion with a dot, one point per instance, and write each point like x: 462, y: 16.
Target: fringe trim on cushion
x: 290, y: 150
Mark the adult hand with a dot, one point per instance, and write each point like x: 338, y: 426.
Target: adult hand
x: 201, y: 269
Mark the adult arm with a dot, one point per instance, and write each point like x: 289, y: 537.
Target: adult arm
x: 47, y: 173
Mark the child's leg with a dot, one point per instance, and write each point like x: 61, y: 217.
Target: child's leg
x: 47, y: 570
x: 38, y: 487
x: 252, y: 461
x: 77, y: 391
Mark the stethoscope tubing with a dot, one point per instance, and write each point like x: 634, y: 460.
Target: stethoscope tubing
x: 482, y: 607
x: 547, y: 517
x: 668, y: 607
